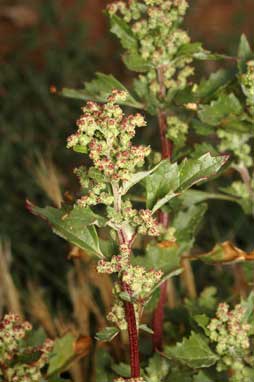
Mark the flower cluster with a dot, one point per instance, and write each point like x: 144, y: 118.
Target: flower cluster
x: 155, y: 25
x: 238, y: 143
x: 12, y: 332
x: 139, y: 281
x: 117, y: 263
x: 230, y: 332
x: 141, y: 221
x: 247, y: 82
x: 177, y: 131
x: 117, y: 313
x: 105, y: 133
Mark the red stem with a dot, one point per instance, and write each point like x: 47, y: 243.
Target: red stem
x: 133, y: 336
x: 158, y: 318
x: 131, y: 321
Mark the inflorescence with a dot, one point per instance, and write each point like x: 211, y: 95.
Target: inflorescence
x: 230, y: 333
x: 105, y: 134
x: 13, y: 332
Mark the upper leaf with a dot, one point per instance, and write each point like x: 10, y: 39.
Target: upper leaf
x: 192, y: 352
x: 160, y: 257
x: 124, y: 32
x: 219, y: 109
x: 76, y: 226
x: 99, y: 89
x: 158, y: 184
x: 170, y: 180
x: 244, y: 53
x: 216, y: 81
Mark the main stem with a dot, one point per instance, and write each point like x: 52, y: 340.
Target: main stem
x: 133, y: 337
x: 128, y: 306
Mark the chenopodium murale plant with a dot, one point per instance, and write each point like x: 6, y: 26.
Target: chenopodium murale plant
x: 106, y: 134
x: 18, y: 362
x: 155, y: 24
x: 230, y: 332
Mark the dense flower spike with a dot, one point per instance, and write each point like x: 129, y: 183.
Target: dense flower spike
x: 12, y: 333
x: 139, y: 281
x: 230, y: 332
x: 105, y: 133
x: 155, y: 24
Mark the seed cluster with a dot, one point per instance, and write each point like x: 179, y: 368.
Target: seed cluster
x: 156, y: 27
x: 12, y: 349
x: 230, y: 333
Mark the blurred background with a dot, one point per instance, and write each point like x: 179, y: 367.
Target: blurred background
x: 45, y: 45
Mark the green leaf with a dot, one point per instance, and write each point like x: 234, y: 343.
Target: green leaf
x: 122, y: 369
x: 123, y: 31
x: 202, y: 377
x: 202, y: 320
x: 244, y: 53
x: 159, y: 258
x: 187, y: 223
x: 161, y: 182
x: 216, y: 81
x: 222, y: 107
x: 157, y: 369
x: 192, y: 352
x: 63, y: 354
x: 188, y: 50
x: 180, y: 376
x: 248, y: 306
x: 192, y: 171
x: 170, y: 180
x: 192, y: 197
x: 195, y: 50
x: 99, y: 89
x: 102, y: 366
x: 75, y: 226
x: 135, y: 62
x: 136, y: 178
x: 107, y: 334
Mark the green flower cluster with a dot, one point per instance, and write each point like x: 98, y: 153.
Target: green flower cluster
x: 155, y: 25
x: 247, y: 82
x: 105, y: 133
x: 238, y: 143
x: 230, y: 333
x: 140, y: 282
x: 12, y: 333
x: 177, y: 131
